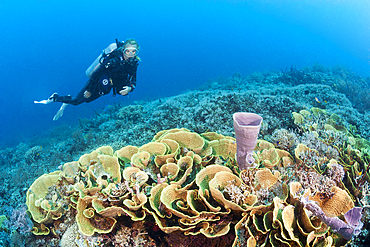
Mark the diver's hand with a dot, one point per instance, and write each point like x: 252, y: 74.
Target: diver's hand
x: 125, y: 90
x: 87, y: 94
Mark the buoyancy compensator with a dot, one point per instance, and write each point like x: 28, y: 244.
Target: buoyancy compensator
x: 98, y: 61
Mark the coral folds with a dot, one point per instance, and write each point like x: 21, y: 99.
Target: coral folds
x: 189, y: 185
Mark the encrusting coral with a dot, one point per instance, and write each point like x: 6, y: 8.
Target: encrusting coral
x: 187, y: 183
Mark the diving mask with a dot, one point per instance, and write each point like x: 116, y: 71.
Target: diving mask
x: 130, y: 51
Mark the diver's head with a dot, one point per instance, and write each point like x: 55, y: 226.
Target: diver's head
x: 130, y: 49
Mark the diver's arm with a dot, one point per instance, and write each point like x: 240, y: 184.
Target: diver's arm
x: 126, y: 89
x: 133, y: 77
x: 132, y: 84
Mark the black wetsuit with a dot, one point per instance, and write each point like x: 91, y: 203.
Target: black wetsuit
x: 115, y: 72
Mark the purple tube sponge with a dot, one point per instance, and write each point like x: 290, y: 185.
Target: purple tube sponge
x: 247, y: 126
x: 346, y: 230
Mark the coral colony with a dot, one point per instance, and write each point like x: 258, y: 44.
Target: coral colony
x: 191, y: 186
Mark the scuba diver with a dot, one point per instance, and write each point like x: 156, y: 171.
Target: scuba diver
x: 114, y: 69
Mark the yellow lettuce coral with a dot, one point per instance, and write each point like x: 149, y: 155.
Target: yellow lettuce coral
x: 186, y: 182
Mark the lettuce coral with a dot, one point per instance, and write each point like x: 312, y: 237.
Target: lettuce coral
x: 187, y: 183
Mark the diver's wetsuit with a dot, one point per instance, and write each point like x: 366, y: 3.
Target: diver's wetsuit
x: 114, y: 73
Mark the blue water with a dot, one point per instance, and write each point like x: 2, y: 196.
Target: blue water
x: 46, y: 46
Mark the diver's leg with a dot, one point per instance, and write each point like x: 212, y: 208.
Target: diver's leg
x: 90, y: 86
x: 67, y: 100
x: 80, y: 98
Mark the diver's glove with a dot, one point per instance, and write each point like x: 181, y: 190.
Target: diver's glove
x: 125, y: 90
x: 51, y: 99
x: 60, y: 112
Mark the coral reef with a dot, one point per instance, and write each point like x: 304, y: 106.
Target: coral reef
x: 189, y: 183
x: 320, y: 108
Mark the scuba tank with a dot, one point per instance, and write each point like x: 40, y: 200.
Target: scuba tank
x: 97, y: 63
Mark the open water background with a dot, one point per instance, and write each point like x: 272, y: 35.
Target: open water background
x: 46, y: 46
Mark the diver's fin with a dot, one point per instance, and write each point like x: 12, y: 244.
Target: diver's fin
x: 60, y: 112
x: 51, y: 99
